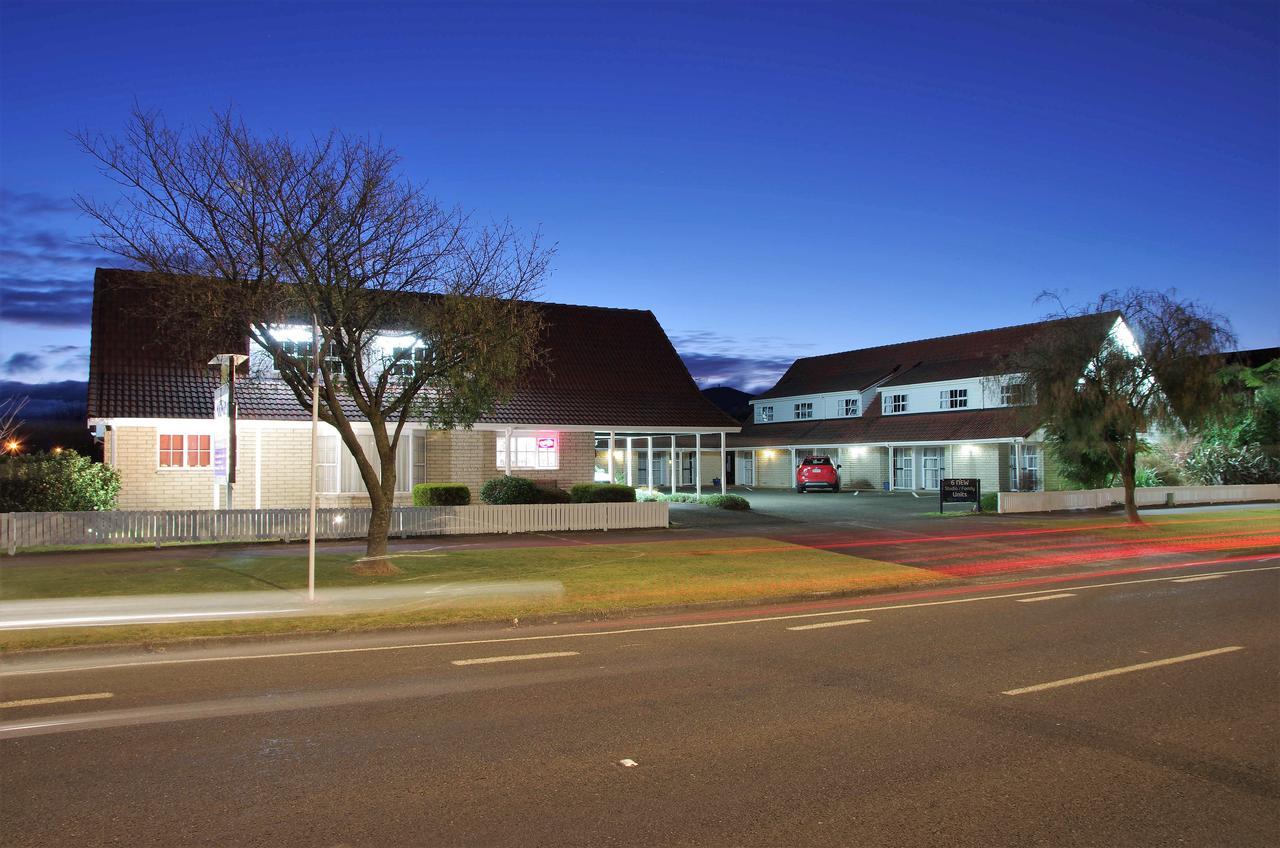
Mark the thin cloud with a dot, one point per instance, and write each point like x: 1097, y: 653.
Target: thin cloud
x: 46, y: 302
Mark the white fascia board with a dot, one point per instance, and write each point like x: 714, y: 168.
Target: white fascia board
x: 619, y: 429
x: 942, y: 384
x: 364, y: 426
x: 935, y: 442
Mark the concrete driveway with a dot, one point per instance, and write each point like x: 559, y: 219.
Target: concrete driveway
x: 780, y: 510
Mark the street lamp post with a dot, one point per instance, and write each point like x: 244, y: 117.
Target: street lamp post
x: 315, y: 435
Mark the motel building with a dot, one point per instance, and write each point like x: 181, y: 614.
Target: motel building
x: 902, y: 417
x: 607, y: 375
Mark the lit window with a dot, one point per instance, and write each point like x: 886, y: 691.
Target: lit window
x: 539, y: 451
x: 803, y: 410
x: 1015, y: 394
x: 850, y: 407
x: 185, y: 450
x: 953, y: 399
x: 896, y: 403
x: 764, y: 413
x: 299, y: 350
x: 407, y: 360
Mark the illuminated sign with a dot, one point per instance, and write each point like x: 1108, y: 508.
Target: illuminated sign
x: 547, y: 443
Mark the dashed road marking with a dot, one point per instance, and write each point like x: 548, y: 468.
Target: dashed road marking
x: 822, y: 624
x: 1197, y: 579
x: 60, y: 699
x: 1098, y: 675
x: 515, y: 658
x: 1046, y: 597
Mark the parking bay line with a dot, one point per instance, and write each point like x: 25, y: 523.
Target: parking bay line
x: 1098, y: 675
x: 59, y: 699
x: 823, y: 624
x: 1046, y: 598
x: 514, y: 658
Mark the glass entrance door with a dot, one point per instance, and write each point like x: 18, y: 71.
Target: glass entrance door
x: 746, y: 468
x: 930, y: 468
x: 903, y: 472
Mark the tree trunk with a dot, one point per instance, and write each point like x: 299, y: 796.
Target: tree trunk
x: 1129, y: 478
x: 375, y: 560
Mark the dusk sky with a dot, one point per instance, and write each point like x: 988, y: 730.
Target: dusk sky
x: 771, y: 180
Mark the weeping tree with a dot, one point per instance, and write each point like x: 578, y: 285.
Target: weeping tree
x: 1137, y: 362
x: 421, y: 315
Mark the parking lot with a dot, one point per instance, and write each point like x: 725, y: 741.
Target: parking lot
x: 782, y: 508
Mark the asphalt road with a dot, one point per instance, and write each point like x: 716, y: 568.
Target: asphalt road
x: 898, y: 730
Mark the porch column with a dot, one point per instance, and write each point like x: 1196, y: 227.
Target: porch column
x: 674, y: 465
x: 628, y: 462
x: 724, y: 477
x: 697, y: 464
x: 506, y: 446
x: 793, y: 468
x: 609, y: 461
x: 649, y: 464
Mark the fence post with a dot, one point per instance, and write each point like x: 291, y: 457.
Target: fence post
x: 13, y: 535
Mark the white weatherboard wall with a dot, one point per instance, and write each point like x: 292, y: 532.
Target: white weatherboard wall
x: 1152, y: 496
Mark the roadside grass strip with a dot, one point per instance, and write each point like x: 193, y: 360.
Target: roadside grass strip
x: 597, y: 580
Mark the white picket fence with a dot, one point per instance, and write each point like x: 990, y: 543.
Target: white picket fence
x: 1149, y: 496
x: 53, y: 529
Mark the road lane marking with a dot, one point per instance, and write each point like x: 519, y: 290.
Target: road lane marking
x: 1195, y: 579
x: 60, y: 699
x: 1098, y: 675
x: 625, y: 631
x: 514, y: 658
x: 822, y: 624
x: 1046, y: 598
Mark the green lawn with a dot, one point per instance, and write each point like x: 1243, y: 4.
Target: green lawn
x: 597, y: 580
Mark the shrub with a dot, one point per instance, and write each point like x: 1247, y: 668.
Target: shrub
x: 441, y: 494
x: 553, y: 496
x: 990, y: 502
x: 509, y: 490
x: 1214, y: 464
x: 602, y: 493
x: 60, y: 482
x: 734, y: 502
x: 1146, y: 478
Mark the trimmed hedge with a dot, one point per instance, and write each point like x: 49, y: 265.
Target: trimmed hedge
x: 63, y: 482
x: 602, y: 493
x: 553, y: 496
x: 505, y: 491
x: 734, y: 502
x: 441, y: 494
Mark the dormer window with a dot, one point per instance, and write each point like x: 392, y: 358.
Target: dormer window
x: 953, y: 399
x: 850, y: 407
x: 407, y: 360
x: 896, y: 403
x: 803, y: 410
x: 764, y: 413
x: 1015, y: 394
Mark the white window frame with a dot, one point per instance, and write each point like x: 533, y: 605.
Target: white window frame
x: 342, y: 456
x: 529, y: 455
x: 850, y: 406
x: 184, y: 454
x: 894, y: 400
x: 802, y: 410
x: 953, y: 399
x: 764, y: 414
x: 1007, y: 391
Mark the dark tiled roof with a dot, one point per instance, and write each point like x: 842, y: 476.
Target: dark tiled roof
x: 945, y: 358
x: 603, y: 367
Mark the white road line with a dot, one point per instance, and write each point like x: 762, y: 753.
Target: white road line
x: 1046, y: 598
x: 581, y: 635
x: 1195, y: 579
x: 822, y: 624
x: 514, y: 658
x: 1098, y: 675
x: 60, y: 699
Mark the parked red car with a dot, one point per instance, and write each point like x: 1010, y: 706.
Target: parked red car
x: 817, y: 472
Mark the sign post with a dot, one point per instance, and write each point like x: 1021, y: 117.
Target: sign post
x: 224, y: 410
x: 960, y: 490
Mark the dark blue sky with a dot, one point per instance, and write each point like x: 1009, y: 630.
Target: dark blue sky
x: 771, y: 180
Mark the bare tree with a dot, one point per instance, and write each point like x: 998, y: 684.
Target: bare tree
x: 1146, y: 361
x: 263, y: 232
x: 10, y: 423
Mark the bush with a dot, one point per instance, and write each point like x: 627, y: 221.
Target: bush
x: 990, y: 502
x: 553, y: 496
x: 63, y: 482
x: 734, y: 502
x: 602, y: 493
x: 504, y: 491
x: 441, y: 494
x: 1215, y: 464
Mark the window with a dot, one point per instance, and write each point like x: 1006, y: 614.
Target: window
x: 803, y: 410
x: 850, y: 407
x: 953, y: 399
x: 407, y: 360
x: 896, y: 403
x: 530, y: 450
x: 1015, y: 394
x: 185, y: 450
x: 419, y: 456
x: 338, y: 473
x: 298, y: 349
x: 764, y: 413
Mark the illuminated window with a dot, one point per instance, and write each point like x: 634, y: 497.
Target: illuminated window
x: 803, y: 410
x: 896, y: 403
x: 407, y: 360
x: 764, y: 413
x: 850, y: 407
x: 185, y: 450
x: 539, y: 451
x: 953, y: 399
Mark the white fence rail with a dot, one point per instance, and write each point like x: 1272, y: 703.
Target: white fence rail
x: 40, y: 529
x: 1150, y: 496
